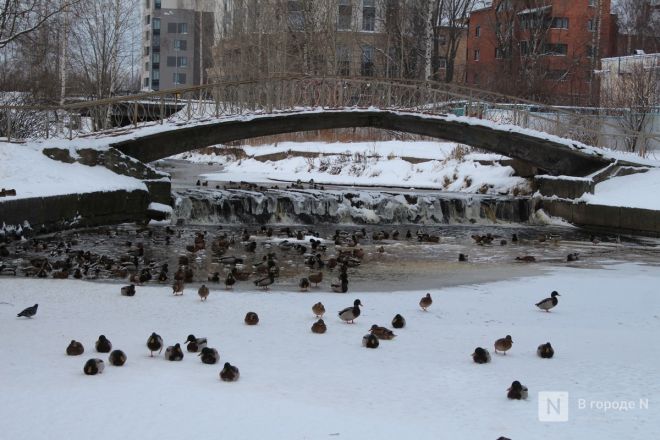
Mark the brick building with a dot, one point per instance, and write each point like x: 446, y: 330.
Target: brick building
x: 544, y: 50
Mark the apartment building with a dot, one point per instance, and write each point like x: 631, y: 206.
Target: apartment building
x: 177, y: 38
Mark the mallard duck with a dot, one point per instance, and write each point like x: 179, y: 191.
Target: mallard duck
x: 103, y: 345
x: 303, y: 284
x: 195, y: 344
x: 572, y: 257
x: 265, y: 282
x: 545, y: 351
x: 230, y: 280
x: 351, y: 313
x: 251, y: 318
x: 93, y: 367
x: 481, y: 355
x: 370, y: 341
x: 318, y: 309
x: 426, y: 302
x: 155, y: 343
x: 229, y: 373
x: 382, y: 332
x: 75, y: 348
x: 117, y: 358
x: 462, y: 257
x: 549, y: 303
x: 526, y: 259
x: 203, y: 292
x: 128, y: 290
x: 398, y: 321
x: 177, y: 287
x: 174, y: 353
x: 209, y: 355
x: 341, y: 285
x: 316, y: 278
x: 517, y: 391
x: 503, y: 344
x: 240, y: 275
x: 319, y: 327
x: 29, y: 312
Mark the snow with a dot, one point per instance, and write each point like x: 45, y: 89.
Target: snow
x: 633, y: 191
x: 25, y: 168
x: 295, y: 384
x: 161, y: 207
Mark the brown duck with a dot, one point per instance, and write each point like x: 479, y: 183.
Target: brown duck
x: 503, y: 344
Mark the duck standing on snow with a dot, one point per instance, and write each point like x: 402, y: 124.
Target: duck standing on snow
x: 174, y: 353
x: 251, y: 318
x: 549, y: 303
x: 117, y: 358
x: 382, y: 332
x: 351, y: 313
x: 316, y: 278
x: 481, y: 355
x: 265, y: 282
x: 203, y: 292
x: 195, y: 344
x: 75, y: 348
x: 398, y: 321
x: 545, y: 351
x: 128, y: 290
x: 318, y: 309
x: 303, y: 284
x: 426, y: 302
x: 370, y: 341
x: 229, y: 373
x: 341, y: 285
x: 93, y: 367
x: 209, y: 355
x: 517, y: 391
x: 103, y: 345
x: 230, y: 281
x: 155, y: 343
x: 319, y: 327
x: 503, y: 344
x: 177, y: 287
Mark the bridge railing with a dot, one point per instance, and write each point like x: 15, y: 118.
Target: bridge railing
x: 289, y: 93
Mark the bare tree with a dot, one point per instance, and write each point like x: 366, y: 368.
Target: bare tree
x: 451, y: 21
x: 21, y: 17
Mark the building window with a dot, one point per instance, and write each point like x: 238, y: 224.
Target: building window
x: 178, y: 78
x: 442, y: 39
x: 367, y: 65
x: 442, y: 62
x: 295, y: 14
x: 147, y: 35
x: 556, y: 75
x: 344, y: 15
x: 590, y: 51
x: 343, y: 61
x: 368, y: 15
x: 500, y: 53
x: 591, y: 25
x: 155, y: 24
x: 147, y: 19
x: 555, y: 49
x: 157, y: 4
x: 146, y: 51
x: 180, y: 45
x: 156, y: 41
x: 182, y: 61
x: 146, y: 82
x: 559, y: 23
x: 146, y: 4
x: 476, y: 54
x: 155, y: 58
x: 146, y: 66
x: 155, y: 75
x: 477, y: 31
x: 183, y: 28
x: 592, y: 2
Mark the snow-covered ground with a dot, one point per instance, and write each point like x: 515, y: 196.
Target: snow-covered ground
x: 32, y: 174
x: 298, y: 385
x: 634, y: 191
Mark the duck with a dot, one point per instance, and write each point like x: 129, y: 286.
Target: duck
x: 209, y: 355
x: 503, y: 344
x: 545, y: 351
x: 574, y: 256
x: 370, y: 341
x: 75, y: 348
x: 341, y: 285
x: 316, y: 278
x: 117, y: 358
x: 303, y: 284
x: 229, y: 373
x: 318, y: 309
x: 240, y: 275
x: 251, y: 318
x: 174, y: 353
x: 214, y: 277
x: 128, y: 290
x: 265, y: 282
x: 177, y: 287
x: 382, y: 332
x: 398, y: 321
x: 481, y: 356
x: 527, y: 259
x: 426, y: 302
x: 230, y: 280
x: 195, y: 344
x: 517, y: 391
x: 351, y: 313
x: 155, y: 343
x: 319, y: 327
x: 93, y: 367
x: 549, y: 303
x: 462, y: 257
x: 103, y: 345
x: 203, y: 292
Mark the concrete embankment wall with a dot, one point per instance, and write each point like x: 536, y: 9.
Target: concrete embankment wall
x: 46, y: 214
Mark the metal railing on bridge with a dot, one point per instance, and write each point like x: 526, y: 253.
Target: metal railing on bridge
x: 290, y: 93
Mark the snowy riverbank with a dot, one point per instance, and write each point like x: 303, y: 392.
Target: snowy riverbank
x: 295, y: 384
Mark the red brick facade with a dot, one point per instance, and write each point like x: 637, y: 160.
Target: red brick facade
x: 541, y: 50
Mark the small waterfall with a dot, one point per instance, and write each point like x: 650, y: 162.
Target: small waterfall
x: 208, y: 206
